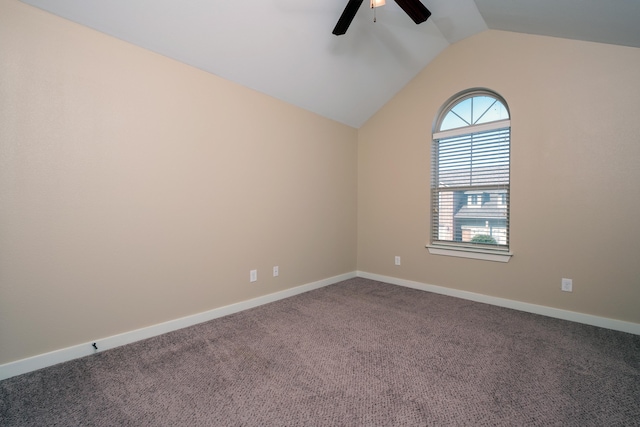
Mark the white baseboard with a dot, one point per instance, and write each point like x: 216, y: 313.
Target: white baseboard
x: 23, y: 366
x: 40, y: 361
x: 603, y: 322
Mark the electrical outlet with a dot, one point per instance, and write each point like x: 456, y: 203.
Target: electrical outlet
x: 276, y: 271
x: 397, y: 260
x: 253, y: 276
x: 567, y: 285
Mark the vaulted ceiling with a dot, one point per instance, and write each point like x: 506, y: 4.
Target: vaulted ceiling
x: 284, y: 48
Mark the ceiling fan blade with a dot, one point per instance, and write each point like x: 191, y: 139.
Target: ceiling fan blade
x: 416, y: 10
x: 347, y: 16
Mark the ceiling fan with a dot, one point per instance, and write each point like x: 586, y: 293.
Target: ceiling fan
x: 414, y: 8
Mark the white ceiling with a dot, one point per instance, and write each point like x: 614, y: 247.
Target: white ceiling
x: 284, y: 48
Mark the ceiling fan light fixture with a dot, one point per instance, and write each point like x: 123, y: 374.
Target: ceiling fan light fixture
x: 414, y: 8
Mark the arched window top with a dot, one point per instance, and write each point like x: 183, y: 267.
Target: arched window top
x: 472, y: 108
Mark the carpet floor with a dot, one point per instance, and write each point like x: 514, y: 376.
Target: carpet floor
x: 357, y: 353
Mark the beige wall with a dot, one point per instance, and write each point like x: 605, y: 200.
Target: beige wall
x: 136, y: 190
x: 575, y: 173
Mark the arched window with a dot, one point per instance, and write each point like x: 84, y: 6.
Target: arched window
x: 470, y: 161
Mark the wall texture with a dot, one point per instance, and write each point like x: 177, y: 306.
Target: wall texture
x: 136, y: 190
x: 574, y: 173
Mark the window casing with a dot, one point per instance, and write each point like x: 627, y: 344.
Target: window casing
x: 470, y: 179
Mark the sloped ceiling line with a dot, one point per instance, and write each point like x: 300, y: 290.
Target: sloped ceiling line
x: 285, y: 49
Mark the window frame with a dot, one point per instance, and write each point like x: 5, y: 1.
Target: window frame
x: 501, y: 253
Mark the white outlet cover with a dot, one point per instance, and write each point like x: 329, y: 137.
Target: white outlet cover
x: 567, y: 285
x: 253, y: 276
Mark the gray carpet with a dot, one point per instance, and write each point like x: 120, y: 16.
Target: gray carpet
x: 358, y: 353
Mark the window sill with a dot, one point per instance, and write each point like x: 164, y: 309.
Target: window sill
x: 484, y: 255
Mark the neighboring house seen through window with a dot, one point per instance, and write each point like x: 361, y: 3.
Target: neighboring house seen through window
x: 470, y: 164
